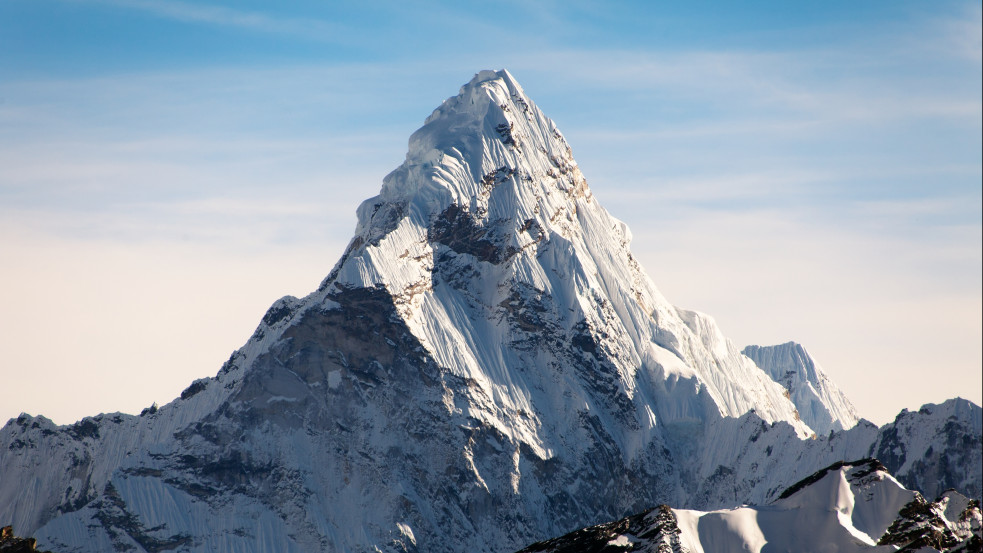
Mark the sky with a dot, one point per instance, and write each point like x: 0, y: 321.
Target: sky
x: 799, y: 171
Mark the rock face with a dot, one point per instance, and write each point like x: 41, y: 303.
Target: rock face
x: 9, y: 543
x: 819, y: 402
x: 486, y: 366
x: 846, y: 507
x: 935, y: 448
x: 655, y: 530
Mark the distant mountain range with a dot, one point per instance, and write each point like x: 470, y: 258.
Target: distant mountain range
x: 487, y: 366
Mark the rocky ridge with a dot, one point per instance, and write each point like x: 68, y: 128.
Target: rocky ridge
x: 9, y: 543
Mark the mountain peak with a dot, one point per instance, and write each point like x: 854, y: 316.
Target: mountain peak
x: 490, y: 241
x: 489, y: 134
x: 487, y: 89
x: 488, y: 174
x: 485, y: 92
x: 820, y: 403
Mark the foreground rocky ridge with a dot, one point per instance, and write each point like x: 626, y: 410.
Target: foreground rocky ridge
x: 9, y: 543
x: 847, y: 507
x: 486, y: 366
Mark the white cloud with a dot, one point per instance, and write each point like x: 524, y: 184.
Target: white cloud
x: 307, y: 28
x: 810, y: 86
x: 963, y: 33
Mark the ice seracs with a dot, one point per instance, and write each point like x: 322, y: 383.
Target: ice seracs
x: 818, y: 400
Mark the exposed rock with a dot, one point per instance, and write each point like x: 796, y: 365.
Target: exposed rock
x: 9, y: 543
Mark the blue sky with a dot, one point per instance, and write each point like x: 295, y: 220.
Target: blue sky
x: 800, y: 171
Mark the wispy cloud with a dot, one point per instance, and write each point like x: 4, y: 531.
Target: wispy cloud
x: 812, y: 86
x: 306, y: 28
x: 963, y: 34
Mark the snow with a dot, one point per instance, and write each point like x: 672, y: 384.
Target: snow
x: 621, y: 541
x: 274, y: 399
x: 819, y: 402
x: 407, y: 531
x: 334, y: 379
x: 830, y: 515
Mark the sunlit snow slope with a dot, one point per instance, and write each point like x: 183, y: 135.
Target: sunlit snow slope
x: 819, y: 402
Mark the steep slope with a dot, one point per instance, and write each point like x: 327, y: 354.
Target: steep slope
x: 846, y: 507
x: 819, y: 402
x: 486, y: 365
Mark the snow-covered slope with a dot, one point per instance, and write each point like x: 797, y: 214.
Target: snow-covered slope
x: 846, y: 507
x: 929, y: 450
x: 819, y: 402
x: 486, y: 365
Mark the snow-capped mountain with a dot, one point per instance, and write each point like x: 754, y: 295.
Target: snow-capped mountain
x: 819, y: 402
x: 932, y: 449
x: 935, y: 448
x: 846, y: 507
x: 486, y: 366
